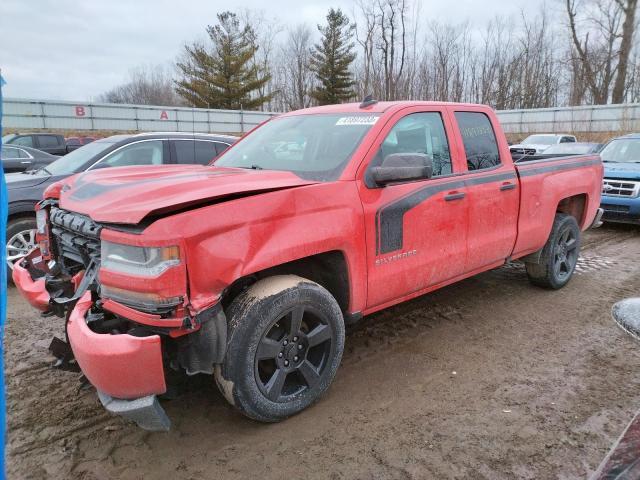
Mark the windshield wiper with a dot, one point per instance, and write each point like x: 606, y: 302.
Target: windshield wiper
x: 256, y: 167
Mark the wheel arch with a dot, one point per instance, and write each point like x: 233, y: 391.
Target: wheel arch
x: 21, y: 209
x: 328, y: 269
x: 574, y: 205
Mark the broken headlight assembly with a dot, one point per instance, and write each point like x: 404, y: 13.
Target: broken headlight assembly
x: 41, y: 221
x: 140, y: 261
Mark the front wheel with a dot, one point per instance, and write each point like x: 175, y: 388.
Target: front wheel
x: 559, y: 255
x: 285, y: 342
x: 21, y: 239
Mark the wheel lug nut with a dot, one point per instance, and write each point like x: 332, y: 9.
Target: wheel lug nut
x: 299, y: 347
x: 286, y: 363
x: 285, y: 343
x: 280, y: 355
x: 295, y: 359
x: 295, y: 339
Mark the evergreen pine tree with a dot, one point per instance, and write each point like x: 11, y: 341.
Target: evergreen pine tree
x: 331, y: 59
x: 226, y: 77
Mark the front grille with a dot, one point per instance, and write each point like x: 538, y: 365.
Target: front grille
x: 523, y: 151
x: 76, y: 238
x: 620, y: 188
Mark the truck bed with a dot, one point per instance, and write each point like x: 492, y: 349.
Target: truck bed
x: 544, y: 182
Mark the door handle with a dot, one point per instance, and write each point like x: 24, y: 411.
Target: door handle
x: 454, y: 196
x: 507, y: 186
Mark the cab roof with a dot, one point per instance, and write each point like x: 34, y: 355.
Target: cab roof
x: 378, y: 107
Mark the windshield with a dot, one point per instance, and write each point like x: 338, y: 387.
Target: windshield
x: 541, y: 140
x: 624, y: 150
x: 76, y: 161
x: 315, y: 147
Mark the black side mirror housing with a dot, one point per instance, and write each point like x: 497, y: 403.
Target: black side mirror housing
x: 403, y: 167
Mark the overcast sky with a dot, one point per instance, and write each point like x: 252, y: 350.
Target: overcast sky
x: 77, y: 49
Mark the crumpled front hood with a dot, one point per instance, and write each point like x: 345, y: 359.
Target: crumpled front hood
x: 622, y: 170
x: 129, y: 194
x: 24, y: 180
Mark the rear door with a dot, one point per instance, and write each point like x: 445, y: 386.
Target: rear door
x: 415, y: 231
x: 492, y: 188
x: 53, y: 144
x: 15, y: 159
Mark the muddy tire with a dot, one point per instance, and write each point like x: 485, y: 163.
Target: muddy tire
x: 285, y: 342
x: 559, y: 255
x: 21, y: 237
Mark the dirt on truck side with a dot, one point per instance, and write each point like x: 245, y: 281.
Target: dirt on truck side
x: 485, y: 379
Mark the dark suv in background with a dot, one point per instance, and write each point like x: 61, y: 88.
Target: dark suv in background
x: 47, y: 142
x: 25, y: 189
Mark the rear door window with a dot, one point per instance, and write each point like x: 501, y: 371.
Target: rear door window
x: 480, y: 144
x: 200, y: 152
x: 206, y: 152
x: 48, y: 141
x: 10, y: 153
x: 184, y: 151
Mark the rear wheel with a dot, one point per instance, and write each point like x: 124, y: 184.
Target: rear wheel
x: 21, y: 239
x: 286, y: 338
x: 559, y: 255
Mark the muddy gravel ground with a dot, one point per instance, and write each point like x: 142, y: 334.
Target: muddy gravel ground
x: 490, y: 378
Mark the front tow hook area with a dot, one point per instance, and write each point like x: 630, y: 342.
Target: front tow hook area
x: 145, y: 411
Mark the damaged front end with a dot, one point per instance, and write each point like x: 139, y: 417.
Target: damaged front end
x: 128, y: 318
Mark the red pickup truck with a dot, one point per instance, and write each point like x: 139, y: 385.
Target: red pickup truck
x: 249, y: 269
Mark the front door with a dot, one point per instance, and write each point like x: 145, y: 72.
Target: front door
x: 416, y: 231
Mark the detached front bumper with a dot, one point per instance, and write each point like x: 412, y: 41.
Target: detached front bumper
x: 122, y: 366
x: 126, y: 370
x: 33, y: 291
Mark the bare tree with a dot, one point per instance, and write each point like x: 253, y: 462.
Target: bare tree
x: 600, y: 56
x: 629, y: 8
x: 392, y: 18
x: 264, y: 34
x: 296, y: 79
x: 146, y: 85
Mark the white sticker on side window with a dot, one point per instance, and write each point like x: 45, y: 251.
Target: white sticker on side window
x: 359, y: 120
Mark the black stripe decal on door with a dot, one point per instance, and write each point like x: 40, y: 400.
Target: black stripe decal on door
x: 390, y: 217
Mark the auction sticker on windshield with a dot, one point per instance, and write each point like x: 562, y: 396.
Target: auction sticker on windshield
x: 358, y: 120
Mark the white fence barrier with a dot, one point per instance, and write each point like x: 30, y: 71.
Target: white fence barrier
x: 591, y: 119
x: 24, y: 114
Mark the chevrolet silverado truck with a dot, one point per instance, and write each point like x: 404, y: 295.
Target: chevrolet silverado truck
x: 249, y: 269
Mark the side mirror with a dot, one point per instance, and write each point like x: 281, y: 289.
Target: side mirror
x: 403, y: 167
